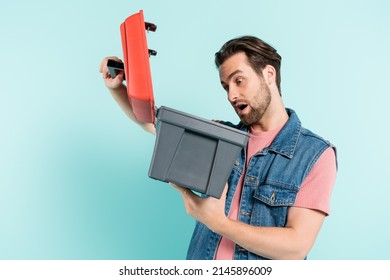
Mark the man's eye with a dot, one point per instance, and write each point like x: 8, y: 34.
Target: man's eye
x: 239, y: 81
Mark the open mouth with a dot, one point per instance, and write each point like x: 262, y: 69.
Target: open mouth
x: 242, y: 106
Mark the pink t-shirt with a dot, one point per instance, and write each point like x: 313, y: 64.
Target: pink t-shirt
x: 314, y: 193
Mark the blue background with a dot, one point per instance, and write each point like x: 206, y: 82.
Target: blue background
x: 74, y: 182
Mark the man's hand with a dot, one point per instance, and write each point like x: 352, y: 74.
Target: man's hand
x: 111, y: 83
x: 209, y: 211
x: 119, y: 92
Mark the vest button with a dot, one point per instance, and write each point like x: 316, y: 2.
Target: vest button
x: 273, y: 195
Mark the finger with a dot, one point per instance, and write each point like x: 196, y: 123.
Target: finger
x: 120, y: 76
x: 187, y: 194
x: 224, y: 192
x: 105, y: 74
x: 104, y: 70
x: 104, y: 62
x: 180, y: 189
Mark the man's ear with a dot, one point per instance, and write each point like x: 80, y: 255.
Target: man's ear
x: 269, y: 74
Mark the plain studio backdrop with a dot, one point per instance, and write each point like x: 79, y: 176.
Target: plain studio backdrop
x: 74, y: 182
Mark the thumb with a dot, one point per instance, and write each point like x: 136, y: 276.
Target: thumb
x: 182, y: 190
x: 224, y: 192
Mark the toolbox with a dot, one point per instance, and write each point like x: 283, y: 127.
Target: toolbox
x: 189, y: 151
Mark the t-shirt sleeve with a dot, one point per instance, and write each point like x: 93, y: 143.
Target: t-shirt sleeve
x: 316, y: 189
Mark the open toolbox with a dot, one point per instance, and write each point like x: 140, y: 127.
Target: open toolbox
x: 189, y: 151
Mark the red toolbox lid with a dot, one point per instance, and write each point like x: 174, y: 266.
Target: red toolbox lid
x: 137, y: 67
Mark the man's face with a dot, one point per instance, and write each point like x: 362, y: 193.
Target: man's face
x: 247, y: 91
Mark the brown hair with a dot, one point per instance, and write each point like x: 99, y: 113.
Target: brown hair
x: 258, y: 52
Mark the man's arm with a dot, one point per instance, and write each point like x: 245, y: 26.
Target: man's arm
x: 291, y: 242
x: 119, y: 93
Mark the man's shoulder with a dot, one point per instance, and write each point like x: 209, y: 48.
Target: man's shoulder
x: 305, y: 132
x: 308, y: 132
x: 314, y: 141
x: 314, y: 136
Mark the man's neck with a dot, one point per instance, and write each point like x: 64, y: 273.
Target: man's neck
x: 274, y: 117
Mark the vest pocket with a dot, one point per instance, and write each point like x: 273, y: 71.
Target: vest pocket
x: 271, y: 203
x: 275, y: 195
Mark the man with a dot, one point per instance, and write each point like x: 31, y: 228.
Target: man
x: 278, y: 193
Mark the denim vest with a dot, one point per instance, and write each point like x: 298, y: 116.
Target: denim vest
x: 272, y: 181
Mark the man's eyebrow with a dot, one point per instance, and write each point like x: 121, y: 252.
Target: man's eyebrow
x: 233, y: 73
x: 230, y: 76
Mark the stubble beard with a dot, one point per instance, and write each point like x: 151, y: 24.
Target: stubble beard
x: 258, y: 108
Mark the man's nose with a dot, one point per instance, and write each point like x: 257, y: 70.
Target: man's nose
x: 232, y: 95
